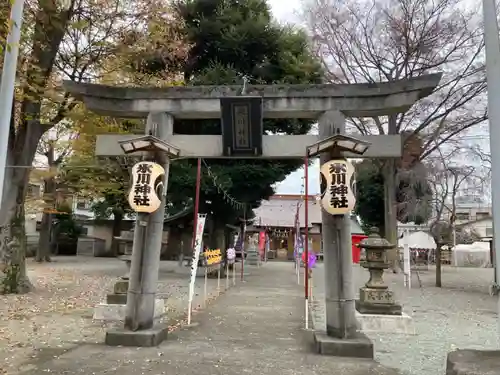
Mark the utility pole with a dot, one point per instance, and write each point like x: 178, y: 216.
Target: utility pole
x: 492, y: 44
x: 7, y: 85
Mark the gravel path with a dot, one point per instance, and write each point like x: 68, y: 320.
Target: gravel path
x: 459, y: 315
x: 57, y: 316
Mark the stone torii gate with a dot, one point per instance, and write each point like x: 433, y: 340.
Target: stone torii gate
x: 328, y: 104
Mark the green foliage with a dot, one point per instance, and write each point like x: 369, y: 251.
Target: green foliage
x: 65, y: 225
x: 106, y: 182
x: 230, y: 39
x: 113, y: 200
x: 412, y: 196
x: 369, y: 196
x: 227, y: 40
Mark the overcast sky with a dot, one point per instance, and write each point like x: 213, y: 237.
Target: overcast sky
x: 285, y: 11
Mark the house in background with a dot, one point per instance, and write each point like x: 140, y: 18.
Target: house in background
x: 277, y: 216
x: 470, y: 211
x: 471, y: 215
x: 97, y: 230
x: 91, y: 229
x: 483, y: 227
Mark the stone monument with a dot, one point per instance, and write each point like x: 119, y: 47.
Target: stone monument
x: 375, y: 297
x: 252, y: 253
x: 377, y: 309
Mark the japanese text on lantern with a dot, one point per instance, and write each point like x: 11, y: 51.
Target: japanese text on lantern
x: 338, y: 185
x: 146, y: 187
x: 142, y: 187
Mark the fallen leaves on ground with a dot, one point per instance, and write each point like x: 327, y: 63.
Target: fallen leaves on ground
x: 57, y: 315
x: 53, y: 315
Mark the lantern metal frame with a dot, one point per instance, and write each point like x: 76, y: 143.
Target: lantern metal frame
x: 338, y: 142
x: 148, y: 143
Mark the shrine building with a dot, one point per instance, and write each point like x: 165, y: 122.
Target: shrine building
x: 277, y: 217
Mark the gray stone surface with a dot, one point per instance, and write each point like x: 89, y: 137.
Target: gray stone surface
x: 117, y: 299
x: 365, y: 307
x: 386, y: 323
x: 121, y: 287
x: 145, y: 338
x: 253, y: 258
x: 461, y: 314
x: 281, y: 101
x: 359, y: 346
x: 116, y: 312
x: 90, y: 246
x: 473, y: 362
x: 282, y: 147
x: 256, y: 327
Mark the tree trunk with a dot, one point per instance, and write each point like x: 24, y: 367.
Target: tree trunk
x: 21, y: 152
x: 220, y: 237
x: 217, y: 241
x: 24, y: 136
x: 13, y: 277
x: 116, y: 232
x: 438, y: 266
x: 390, y: 219
x: 49, y: 197
x: 391, y: 224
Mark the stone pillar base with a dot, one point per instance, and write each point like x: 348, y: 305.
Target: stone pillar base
x: 386, y: 323
x: 377, y: 301
x: 145, y: 338
x: 116, y: 299
x: 359, y: 346
x: 115, y: 312
x: 378, y: 308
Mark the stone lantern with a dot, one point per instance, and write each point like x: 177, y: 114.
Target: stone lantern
x: 375, y: 296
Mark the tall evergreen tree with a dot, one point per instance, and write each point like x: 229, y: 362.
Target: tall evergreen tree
x: 232, y: 39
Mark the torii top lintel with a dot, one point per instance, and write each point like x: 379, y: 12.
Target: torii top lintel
x: 280, y: 101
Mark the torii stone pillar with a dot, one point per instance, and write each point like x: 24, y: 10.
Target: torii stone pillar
x: 328, y: 103
x: 339, y: 285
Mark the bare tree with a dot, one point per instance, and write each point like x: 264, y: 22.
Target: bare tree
x: 61, y: 43
x: 449, y: 181
x: 373, y: 41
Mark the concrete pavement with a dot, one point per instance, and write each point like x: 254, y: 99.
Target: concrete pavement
x: 256, y: 327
